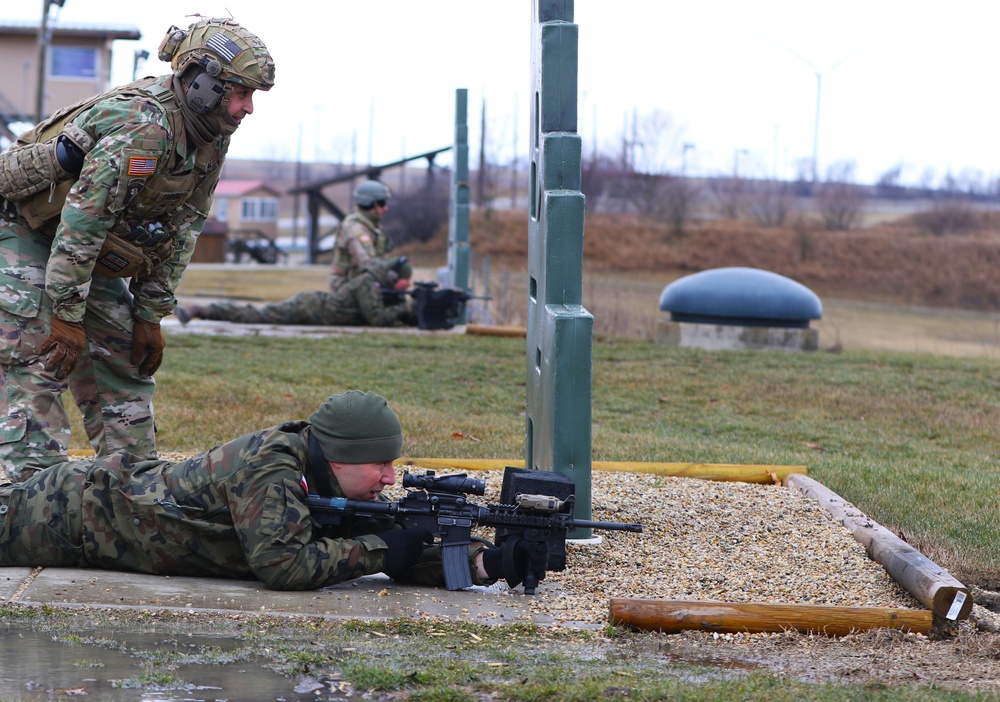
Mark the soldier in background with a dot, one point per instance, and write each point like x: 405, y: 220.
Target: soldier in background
x: 359, y: 238
x: 112, y: 189
x: 238, y: 511
x: 359, y: 302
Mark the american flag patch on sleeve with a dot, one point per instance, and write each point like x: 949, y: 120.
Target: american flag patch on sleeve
x: 223, y: 46
x: 141, y: 166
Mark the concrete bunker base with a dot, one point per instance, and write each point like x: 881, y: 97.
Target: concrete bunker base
x: 735, y: 337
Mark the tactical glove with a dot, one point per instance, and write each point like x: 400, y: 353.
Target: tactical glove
x: 514, y: 559
x: 147, y: 345
x: 65, y: 341
x: 405, y: 549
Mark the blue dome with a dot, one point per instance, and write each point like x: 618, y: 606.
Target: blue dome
x: 740, y: 296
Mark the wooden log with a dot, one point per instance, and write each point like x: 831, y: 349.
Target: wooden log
x: 673, y: 616
x: 932, y: 586
x: 765, y: 474
x: 495, y: 330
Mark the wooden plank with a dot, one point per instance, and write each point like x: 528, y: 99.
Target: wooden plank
x: 766, y: 474
x: 673, y: 616
x: 932, y: 586
x: 495, y: 330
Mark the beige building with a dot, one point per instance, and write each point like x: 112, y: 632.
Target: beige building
x: 248, y: 208
x: 78, y: 65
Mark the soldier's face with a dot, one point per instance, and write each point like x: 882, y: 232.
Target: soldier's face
x: 363, y: 481
x: 241, y: 103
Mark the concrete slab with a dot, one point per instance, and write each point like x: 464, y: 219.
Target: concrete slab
x: 371, y: 597
x: 10, y: 580
x: 716, y: 337
x: 172, y: 325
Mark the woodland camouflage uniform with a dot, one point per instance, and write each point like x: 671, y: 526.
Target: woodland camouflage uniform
x: 147, y: 179
x: 358, y: 241
x: 358, y: 302
x: 237, y: 511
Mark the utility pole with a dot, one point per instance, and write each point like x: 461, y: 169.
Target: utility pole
x: 44, y: 39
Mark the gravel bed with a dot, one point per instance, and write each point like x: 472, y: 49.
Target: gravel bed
x: 710, y: 540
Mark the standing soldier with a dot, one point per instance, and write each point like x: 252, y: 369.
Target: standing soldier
x: 360, y: 238
x: 112, y: 189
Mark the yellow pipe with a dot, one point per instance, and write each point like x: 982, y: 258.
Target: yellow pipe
x: 705, y: 471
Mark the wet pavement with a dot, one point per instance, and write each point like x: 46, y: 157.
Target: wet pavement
x: 371, y: 597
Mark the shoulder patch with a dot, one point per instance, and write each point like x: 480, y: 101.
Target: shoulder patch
x: 365, y: 238
x: 141, y: 165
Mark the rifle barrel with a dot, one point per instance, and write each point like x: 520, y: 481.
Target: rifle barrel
x: 613, y: 526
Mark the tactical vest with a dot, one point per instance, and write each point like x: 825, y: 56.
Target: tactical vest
x: 31, y: 177
x: 343, y: 262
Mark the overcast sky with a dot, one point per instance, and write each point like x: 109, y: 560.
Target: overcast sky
x: 902, y: 83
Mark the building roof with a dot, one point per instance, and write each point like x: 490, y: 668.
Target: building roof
x: 237, y: 188
x: 75, y: 29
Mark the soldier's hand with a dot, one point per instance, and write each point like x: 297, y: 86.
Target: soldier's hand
x: 148, y: 343
x: 514, y: 559
x: 64, y: 346
x: 405, y: 549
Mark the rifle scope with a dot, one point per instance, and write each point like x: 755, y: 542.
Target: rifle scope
x: 456, y: 483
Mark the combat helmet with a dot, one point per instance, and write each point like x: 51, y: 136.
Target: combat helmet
x: 369, y: 192
x: 223, y: 49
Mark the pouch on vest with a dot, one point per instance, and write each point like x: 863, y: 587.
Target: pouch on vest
x: 43, y: 171
x: 120, y: 259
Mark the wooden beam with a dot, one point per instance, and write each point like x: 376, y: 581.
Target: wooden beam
x: 673, y: 616
x: 766, y: 474
x: 495, y: 330
x: 932, y: 586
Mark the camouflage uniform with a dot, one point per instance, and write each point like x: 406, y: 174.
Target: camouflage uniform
x: 237, y: 511
x: 359, y: 302
x: 358, y: 241
x: 141, y: 176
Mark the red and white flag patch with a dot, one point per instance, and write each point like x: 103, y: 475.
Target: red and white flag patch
x: 141, y: 165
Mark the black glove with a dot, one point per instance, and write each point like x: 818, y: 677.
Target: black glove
x: 514, y: 559
x: 405, y: 548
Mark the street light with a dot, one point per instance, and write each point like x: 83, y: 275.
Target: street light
x: 138, y: 55
x: 684, y: 158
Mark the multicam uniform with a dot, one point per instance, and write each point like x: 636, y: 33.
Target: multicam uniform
x: 142, y: 181
x: 358, y: 241
x: 360, y: 301
x: 237, y: 511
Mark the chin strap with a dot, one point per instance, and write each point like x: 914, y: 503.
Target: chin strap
x: 317, y: 473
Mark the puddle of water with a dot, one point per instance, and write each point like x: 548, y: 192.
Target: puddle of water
x: 36, y: 666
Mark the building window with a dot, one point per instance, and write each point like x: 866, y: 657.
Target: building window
x: 259, y: 209
x: 222, y: 209
x: 70, y: 62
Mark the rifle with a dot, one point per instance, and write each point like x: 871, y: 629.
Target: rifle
x: 439, y: 504
x: 437, y: 308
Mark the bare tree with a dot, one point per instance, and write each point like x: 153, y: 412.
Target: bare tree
x: 770, y: 203
x: 729, y: 194
x: 840, y: 200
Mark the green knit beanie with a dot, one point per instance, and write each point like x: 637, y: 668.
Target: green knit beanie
x: 357, y: 427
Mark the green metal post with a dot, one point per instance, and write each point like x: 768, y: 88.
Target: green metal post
x: 458, y: 219
x: 560, y: 330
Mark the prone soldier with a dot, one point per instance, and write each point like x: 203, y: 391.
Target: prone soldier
x: 240, y: 510
x: 360, y: 302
